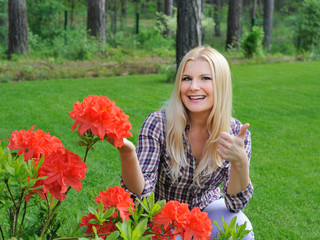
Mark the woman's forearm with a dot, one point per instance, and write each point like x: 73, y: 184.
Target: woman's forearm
x: 239, y: 176
x: 130, y: 169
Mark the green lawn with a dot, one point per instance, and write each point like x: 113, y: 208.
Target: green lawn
x: 280, y: 101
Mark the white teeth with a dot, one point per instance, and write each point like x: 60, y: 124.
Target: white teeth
x: 196, y: 98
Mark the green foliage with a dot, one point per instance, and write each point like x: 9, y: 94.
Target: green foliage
x: 44, y: 17
x: 309, y: 28
x: 17, y: 178
x: 69, y: 44
x: 233, y: 231
x: 252, y: 43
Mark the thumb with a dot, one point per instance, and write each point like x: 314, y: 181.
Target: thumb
x: 243, y: 130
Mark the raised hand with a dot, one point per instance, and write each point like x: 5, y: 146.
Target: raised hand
x: 231, y: 148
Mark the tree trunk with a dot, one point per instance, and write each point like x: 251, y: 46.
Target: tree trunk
x: 114, y: 10
x: 253, y: 13
x: 168, y: 7
x: 168, y: 11
x: 72, y: 7
x: 217, y: 17
x: 234, y: 25
x: 267, y: 23
x: 96, y: 19
x: 123, y: 13
x: 203, y: 3
x: 18, y: 27
x: 123, y: 8
x: 188, y: 27
x: 159, y: 6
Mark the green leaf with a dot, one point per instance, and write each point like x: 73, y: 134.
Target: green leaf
x: 10, y: 170
x: 93, y: 221
x: 114, y: 235
x: 108, y: 213
x: 92, y: 210
x: 81, y: 143
x: 6, y: 205
x: 224, y: 224
x: 151, y: 200
x: 139, y: 229
x: 144, y: 204
x: 232, y: 223
x: 124, y: 229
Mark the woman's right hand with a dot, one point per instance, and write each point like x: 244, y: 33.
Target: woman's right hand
x: 127, y: 147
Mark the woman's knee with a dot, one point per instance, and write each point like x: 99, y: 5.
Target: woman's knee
x: 217, y: 210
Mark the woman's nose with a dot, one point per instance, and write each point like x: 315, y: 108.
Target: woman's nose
x: 194, y: 85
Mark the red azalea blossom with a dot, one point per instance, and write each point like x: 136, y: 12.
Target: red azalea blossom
x: 100, y: 115
x: 34, y: 144
x: 199, y: 226
x: 63, y: 169
x: 174, y: 214
x: 118, y: 198
x: 101, y: 229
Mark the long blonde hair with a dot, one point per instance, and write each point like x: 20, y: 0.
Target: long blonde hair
x: 217, y: 122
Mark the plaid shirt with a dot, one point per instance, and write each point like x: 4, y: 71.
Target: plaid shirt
x: 155, y: 161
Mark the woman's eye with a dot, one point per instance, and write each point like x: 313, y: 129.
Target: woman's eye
x: 206, y: 78
x: 186, y: 79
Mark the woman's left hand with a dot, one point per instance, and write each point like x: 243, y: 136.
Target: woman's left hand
x: 231, y: 148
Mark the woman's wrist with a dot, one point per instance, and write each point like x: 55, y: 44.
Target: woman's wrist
x: 242, y: 163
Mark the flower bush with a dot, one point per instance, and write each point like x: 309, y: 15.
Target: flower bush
x: 37, y: 168
x: 118, y: 215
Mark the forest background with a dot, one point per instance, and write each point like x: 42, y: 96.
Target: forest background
x: 131, y: 37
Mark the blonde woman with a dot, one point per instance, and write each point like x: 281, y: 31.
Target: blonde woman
x: 191, y: 147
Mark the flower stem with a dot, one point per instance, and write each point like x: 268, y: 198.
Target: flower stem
x: 22, y: 220
x: 1, y: 233
x: 44, y: 229
x: 12, y: 198
x: 86, y: 154
x: 16, y: 212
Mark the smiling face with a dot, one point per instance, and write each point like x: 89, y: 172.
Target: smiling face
x: 197, y: 87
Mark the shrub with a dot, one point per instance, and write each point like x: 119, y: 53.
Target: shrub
x: 252, y: 43
x: 308, y: 33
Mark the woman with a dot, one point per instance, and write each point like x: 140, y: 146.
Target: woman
x: 186, y: 150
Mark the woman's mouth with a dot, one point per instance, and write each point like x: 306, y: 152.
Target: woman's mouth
x: 195, y: 98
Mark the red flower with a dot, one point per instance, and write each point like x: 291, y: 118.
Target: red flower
x: 173, y: 215
x: 63, y: 169
x: 186, y: 223
x: 107, y: 227
x: 102, y: 117
x: 118, y: 198
x: 199, y: 226
x: 34, y: 144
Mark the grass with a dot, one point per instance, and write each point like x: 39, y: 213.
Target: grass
x: 280, y: 101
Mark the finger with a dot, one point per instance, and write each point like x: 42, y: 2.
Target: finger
x: 243, y: 130
x: 224, y: 142
x: 225, y: 136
